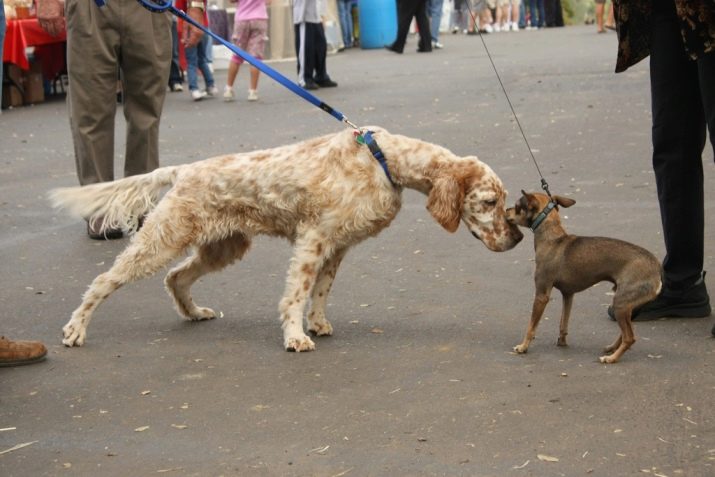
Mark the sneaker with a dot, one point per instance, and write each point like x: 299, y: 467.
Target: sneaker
x: 176, y: 87
x: 496, y: 28
x: 693, y: 302
x: 437, y: 45
x: 197, y: 94
x: 17, y: 353
x: 488, y: 28
x: 212, y: 91
x: 514, y: 26
x: 455, y: 30
x: 228, y: 93
x: 252, y: 95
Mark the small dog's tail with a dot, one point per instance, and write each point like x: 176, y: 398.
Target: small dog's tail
x: 121, y: 204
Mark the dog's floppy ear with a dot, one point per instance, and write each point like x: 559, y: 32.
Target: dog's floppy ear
x: 445, y: 202
x: 564, y: 201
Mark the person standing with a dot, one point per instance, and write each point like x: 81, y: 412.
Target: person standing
x: 345, y: 15
x: 120, y: 36
x: 249, y: 33
x: 196, y: 56
x: 406, y: 10
x: 311, y: 48
x: 679, y: 37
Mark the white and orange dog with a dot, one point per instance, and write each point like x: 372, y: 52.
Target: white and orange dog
x: 324, y: 195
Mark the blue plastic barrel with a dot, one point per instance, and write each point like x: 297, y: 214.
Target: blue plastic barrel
x: 378, y: 22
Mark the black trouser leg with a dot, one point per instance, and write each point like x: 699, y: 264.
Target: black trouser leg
x: 405, y: 11
x: 423, y: 26
x: 678, y: 143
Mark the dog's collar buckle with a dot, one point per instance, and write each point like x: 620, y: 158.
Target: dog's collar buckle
x: 542, y: 215
x: 367, y: 139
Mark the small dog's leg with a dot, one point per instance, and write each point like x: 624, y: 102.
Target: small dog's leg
x: 310, y: 254
x: 612, y: 347
x: 537, y: 310
x: 142, y: 258
x: 627, y: 338
x: 317, y: 323
x: 565, y: 314
x: 208, y: 258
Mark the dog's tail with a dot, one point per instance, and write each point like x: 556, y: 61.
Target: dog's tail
x: 121, y: 204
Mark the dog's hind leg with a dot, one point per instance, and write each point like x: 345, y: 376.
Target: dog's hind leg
x: 145, y: 255
x: 626, y: 339
x: 317, y: 323
x: 208, y: 258
x: 565, y: 315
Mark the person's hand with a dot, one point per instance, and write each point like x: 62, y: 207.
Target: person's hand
x: 51, y: 16
x: 192, y: 35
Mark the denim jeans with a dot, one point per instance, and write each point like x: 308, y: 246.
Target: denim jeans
x: 536, y: 7
x: 434, y: 10
x: 196, y: 58
x: 345, y: 14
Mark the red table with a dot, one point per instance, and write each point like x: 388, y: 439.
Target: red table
x: 49, y: 50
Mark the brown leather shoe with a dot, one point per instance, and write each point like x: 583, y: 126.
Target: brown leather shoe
x: 94, y: 230
x: 17, y: 353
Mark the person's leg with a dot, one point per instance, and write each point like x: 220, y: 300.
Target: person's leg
x: 435, y: 13
x: 204, y: 66
x: 91, y: 97
x: 600, y: 6
x: 175, y: 75
x: 321, y: 53
x: 233, y: 68
x: 678, y: 143
x: 542, y: 14
x: 405, y: 11
x: 425, y: 43
x: 192, y: 61
x: 144, y: 78
x: 346, y: 21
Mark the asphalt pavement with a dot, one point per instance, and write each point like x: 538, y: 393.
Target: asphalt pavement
x: 419, y: 378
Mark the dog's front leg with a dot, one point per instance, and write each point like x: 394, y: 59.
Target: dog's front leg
x: 541, y: 299
x: 317, y: 323
x: 310, y: 254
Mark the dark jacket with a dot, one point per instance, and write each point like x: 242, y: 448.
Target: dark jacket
x: 633, y: 21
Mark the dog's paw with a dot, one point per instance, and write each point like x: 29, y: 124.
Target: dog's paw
x: 322, y: 328
x: 520, y: 348
x: 608, y: 359
x: 74, y: 334
x: 201, y: 314
x: 561, y: 342
x: 299, y: 344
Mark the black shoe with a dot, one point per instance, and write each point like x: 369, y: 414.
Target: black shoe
x: 692, y: 302
x: 95, y: 233
x: 311, y: 85
x: 393, y: 49
x: 327, y: 83
x: 424, y: 50
x: 713, y: 331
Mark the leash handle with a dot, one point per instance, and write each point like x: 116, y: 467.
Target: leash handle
x: 158, y: 6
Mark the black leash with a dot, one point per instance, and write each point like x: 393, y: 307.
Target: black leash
x: 544, y: 184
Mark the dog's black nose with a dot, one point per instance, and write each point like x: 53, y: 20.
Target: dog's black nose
x: 475, y: 235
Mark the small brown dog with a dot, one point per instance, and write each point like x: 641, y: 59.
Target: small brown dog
x: 572, y: 264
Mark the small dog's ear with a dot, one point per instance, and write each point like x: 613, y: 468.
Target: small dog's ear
x: 564, y: 201
x: 445, y: 202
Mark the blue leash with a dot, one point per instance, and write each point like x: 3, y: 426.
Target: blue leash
x: 158, y: 6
